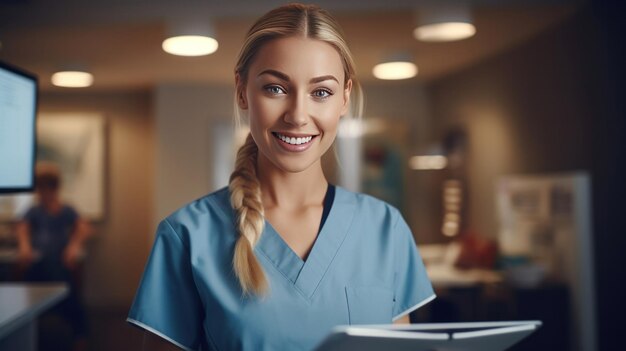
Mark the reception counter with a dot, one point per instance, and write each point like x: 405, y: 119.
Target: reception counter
x: 20, y: 305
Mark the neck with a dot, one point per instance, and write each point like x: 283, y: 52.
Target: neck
x: 52, y: 206
x: 288, y: 190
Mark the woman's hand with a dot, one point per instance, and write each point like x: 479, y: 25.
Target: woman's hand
x: 25, y: 256
x: 25, y: 253
x: 74, y: 250
x: 72, y: 255
x: 403, y: 320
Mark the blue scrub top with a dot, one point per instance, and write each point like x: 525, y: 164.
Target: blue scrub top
x: 364, y: 268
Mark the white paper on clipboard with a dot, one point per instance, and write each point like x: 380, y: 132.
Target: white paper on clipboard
x: 476, y: 336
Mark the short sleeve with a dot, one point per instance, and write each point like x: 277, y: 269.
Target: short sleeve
x: 71, y: 216
x: 167, y: 301
x: 72, y: 213
x: 412, y: 285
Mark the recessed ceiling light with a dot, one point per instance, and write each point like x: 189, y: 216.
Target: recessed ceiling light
x: 444, y: 22
x: 72, y: 79
x: 395, y: 70
x: 190, y: 45
x: 190, y: 35
x: 447, y: 31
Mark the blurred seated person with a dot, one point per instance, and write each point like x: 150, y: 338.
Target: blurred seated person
x: 51, y: 238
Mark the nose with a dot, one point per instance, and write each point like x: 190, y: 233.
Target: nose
x: 297, y: 114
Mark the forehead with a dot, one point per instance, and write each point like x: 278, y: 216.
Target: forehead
x: 298, y: 58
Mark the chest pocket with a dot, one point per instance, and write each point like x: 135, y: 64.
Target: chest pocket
x: 370, y: 304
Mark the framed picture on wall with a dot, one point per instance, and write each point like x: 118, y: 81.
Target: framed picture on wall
x: 76, y: 144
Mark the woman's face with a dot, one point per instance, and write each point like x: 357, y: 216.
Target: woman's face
x: 295, y: 95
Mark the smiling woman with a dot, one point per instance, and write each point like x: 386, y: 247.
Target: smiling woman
x: 278, y: 258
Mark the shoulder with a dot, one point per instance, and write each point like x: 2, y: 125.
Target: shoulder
x: 34, y: 213
x: 69, y: 212
x: 368, y: 207
x: 205, y: 214
x: 214, y: 203
x: 378, y: 229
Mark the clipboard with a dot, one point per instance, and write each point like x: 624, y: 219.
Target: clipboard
x: 475, y: 336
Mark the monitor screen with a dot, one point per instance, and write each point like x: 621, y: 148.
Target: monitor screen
x: 18, y: 111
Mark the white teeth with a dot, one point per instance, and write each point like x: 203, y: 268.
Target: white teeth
x: 294, y: 141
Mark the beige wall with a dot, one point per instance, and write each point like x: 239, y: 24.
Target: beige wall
x: 528, y: 110
x: 118, y: 253
x: 184, y: 116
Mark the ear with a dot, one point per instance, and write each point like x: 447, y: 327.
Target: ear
x: 240, y: 91
x: 346, y: 97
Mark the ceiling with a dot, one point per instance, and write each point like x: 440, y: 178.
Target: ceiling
x: 120, y: 41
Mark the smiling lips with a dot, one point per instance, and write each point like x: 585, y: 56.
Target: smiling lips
x: 294, y: 142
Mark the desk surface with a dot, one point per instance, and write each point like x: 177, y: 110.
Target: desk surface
x: 21, y: 303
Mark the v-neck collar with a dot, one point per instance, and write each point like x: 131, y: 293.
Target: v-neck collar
x: 307, y: 275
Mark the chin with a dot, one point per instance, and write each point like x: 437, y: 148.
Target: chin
x: 293, y: 167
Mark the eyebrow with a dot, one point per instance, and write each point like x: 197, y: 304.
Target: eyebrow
x: 282, y: 76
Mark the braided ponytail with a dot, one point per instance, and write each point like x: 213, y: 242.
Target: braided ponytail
x: 245, y: 198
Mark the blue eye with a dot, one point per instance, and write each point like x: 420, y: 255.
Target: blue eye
x: 275, y: 90
x: 322, y: 93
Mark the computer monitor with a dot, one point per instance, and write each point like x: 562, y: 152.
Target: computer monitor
x: 18, y: 113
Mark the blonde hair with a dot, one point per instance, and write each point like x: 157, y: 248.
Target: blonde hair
x: 307, y: 21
